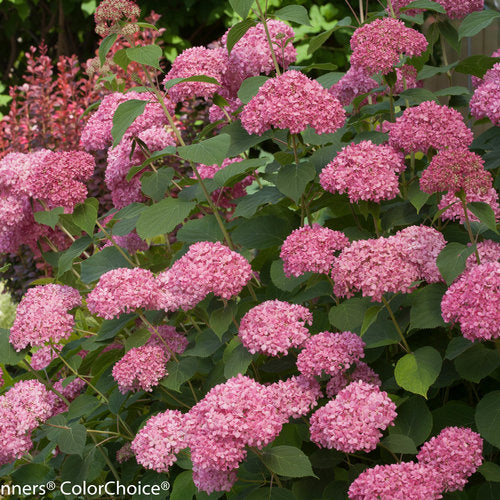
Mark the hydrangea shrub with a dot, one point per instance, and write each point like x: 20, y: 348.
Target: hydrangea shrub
x: 302, y: 302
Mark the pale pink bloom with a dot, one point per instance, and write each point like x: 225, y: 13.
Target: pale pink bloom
x: 210, y: 480
x: 109, y: 12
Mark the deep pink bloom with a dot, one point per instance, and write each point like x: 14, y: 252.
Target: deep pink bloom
x: 231, y: 416
x: 455, y: 454
x: 403, y: 481
x: 429, y: 125
x: 455, y: 209
x: 168, y: 339
x: 366, y: 171
x: 70, y: 391
x: 42, y: 316
x: 194, y: 62
x: 273, y: 327
x: 473, y: 301
x: 379, y: 45
x: 210, y: 480
x: 455, y: 170
x: 123, y: 290
x: 454, y: 9
x: 124, y: 453
x: 353, y: 84
x: 485, y: 102
x: 354, y: 420
x: 157, y: 443
x: 295, y: 396
x: 206, y: 267
x: 44, y: 356
x: 292, y: 101
x: 489, y: 251
x: 311, y: 249
x: 141, y: 368
x: 341, y: 380
x: 330, y: 353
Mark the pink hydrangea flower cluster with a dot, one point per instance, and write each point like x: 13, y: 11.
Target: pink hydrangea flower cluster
x: 406, y: 79
x: 206, y: 267
x: 402, y: 481
x: 311, y: 249
x: 155, y: 446
x: 492, y: 75
x: 109, y: 12
x: 22, y: 408
x: 141, y: 368
x: 353, y: 84
x: 354, y: 420
x: 169, y: 339
x: 295, y: 396
x: 132, y: 242
x: 122, y: 158
x: 330, y: 353
x: 485, y: 102
x: 44, y: 356
x: 231, y: 416
x: 124, y: 453
x: 123, y: 290
x: 429, y: 125
x: 365, y: 171
x: 292, y: 101
x: 379, y: 45
x: 454, y: 209
x: 210, y: 480
x: 473, y: 301
x: 489, y: 251
x: 69, y: 391
x: 194, y: 62
x: 393, y: 264
x: 454, y: 10
x: 251, y: 55
x: 224, y: 197
x: 455, y: 170
x: 455, y: 454
x: 42, y: 316
x: 273, y: 327
x: 341, y: 380
x: 97, y: 132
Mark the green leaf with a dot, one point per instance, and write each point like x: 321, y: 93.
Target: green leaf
x: 281, y: 281
x: 424, y: 4
x: 417, y: 197
x: 180, y: 372
x: 453, y: 91
x: 487, y: 418
x: 124, y: 116
x: 111, y: 327
x: 107, y: 259
x: 241, y: 7
x: 148, y: 55
x: 293, y: 179
x: 348, y: 316
x: 484, y: 213
x: 477, y: 362
x: 209, y: 152
x: 287, y: 461
x: 137, y: 339
x: 184, y: 488
x: 317, y: 41
x: 49, y: 217
x: 220, y: 319
x: 205, y: 344
x: 476, y: 22
x: 477, y: 65
x: 237, y: 32
x: 127, y: 219
x: 67, y: 257
x: 453, y: 414
x: 195, y: 78
x: 295, y: 13
x: 262, y: 232
x: 488, y: 491
x: 415, y: 97
x: 414, y: 420
x: 456, y: 347
x: 8, y: 355
x: 30, y: 474
x: 490, y: 471
x: 72, y: 440
x: 250, y: 87
x: 417, y: 371
x: 205, y: 229
x: 329, y: 79
x: 121, y: 59
x: 369, y: 318
x: 450, y: 34
x: 105, y: 46
x: 451, y: 260
x: 426, y: 307
x: 85, y: 215
x: 155, y: 184
x: 430, y: 71
x: 236, y: 358
x: 248, y: 205
x: 399, y: 443
x: 235, y: 171
x: 163, y: 217
x: 241, y: 140
x: 82, y: 405
x: 156, y: 155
